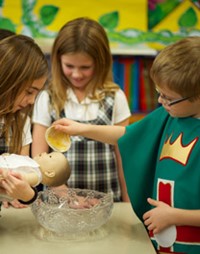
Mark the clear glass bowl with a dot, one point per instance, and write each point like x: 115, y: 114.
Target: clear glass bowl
x: 75, y: 211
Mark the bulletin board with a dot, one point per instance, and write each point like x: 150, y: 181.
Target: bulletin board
x: 132, y: 25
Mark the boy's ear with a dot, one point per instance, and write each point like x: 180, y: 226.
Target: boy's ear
x: 49, y: 174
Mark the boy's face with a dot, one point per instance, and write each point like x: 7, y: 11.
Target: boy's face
x: 182, y: 107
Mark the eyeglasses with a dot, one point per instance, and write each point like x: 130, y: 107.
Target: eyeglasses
x: 169, y: 102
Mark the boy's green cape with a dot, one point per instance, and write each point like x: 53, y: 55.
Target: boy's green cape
x: 139, y: 149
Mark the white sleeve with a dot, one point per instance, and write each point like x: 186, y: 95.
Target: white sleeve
x: 121, y: 109
x: 41, y: 113
x: 26, y: 136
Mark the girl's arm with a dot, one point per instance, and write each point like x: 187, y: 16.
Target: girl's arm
x: 31, y: 178
x: 39, y: 144
x: 122, y: 181
x: 102, y: 133
x: 25, y: 150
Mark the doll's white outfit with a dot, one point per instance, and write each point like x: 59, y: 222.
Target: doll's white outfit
x: 21, y: 164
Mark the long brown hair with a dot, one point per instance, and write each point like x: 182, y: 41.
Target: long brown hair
x: 87, y: 36
x: 21, y: 62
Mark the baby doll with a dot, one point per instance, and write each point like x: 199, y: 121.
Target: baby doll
x: 49, y: 169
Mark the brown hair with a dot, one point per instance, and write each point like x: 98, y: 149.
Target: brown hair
x: 21, y: 62
x: 178, y: 67
x: 4, y: 33
x: 87, y: 36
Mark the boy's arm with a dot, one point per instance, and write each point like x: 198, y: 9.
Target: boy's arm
x: 102, y: 133
x: 163, y: 216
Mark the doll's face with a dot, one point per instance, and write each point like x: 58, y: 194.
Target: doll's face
x: 44, y: 159
x: 54, y: 168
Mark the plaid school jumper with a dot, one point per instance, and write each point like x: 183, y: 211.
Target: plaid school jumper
x: 3, y: 147
x: 93, y: 164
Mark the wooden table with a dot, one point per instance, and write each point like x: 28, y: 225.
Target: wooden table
x: 122, y: 234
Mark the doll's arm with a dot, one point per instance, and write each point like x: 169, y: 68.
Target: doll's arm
x: 31, y: 178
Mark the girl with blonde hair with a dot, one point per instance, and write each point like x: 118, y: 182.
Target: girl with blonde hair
x: 82, y: 89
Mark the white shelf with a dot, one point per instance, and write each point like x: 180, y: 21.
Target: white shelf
x: 46, y: 46
x: 134, y: 52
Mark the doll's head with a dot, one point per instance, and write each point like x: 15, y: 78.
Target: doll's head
x: 54, y: 168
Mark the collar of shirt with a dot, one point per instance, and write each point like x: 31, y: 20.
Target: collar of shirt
x: 72, y: 96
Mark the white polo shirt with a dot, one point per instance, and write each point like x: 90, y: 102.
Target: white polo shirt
x: 83, y: 111
x: 26, y: 135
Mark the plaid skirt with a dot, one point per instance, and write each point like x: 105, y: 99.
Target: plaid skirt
x: 93, y: 164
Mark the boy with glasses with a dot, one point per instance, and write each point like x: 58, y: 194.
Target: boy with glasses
x: 161, y: 153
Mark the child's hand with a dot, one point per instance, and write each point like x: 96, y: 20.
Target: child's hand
x: 6, y: 204
x: 159, y: 217
x: 3, y: 174
x: 69, y: 126
x: 16, y: 188
x: 14, y: 203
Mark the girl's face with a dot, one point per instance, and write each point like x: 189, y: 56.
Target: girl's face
x: 78, y: 68
x: 27, y: 97
x: 184, y: 108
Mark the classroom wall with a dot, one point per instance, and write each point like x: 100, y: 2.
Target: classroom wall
x: 133, y: 26
x: 137, y: 30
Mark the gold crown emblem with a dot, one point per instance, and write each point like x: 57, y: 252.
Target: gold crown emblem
x: 176, y: 150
